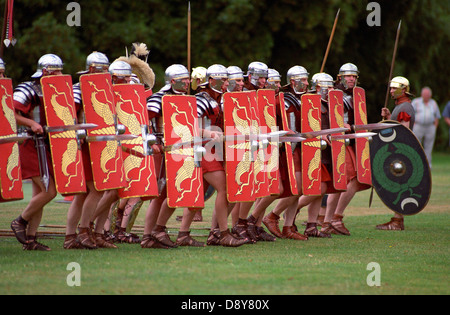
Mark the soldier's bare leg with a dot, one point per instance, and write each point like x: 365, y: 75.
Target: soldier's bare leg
x: 217, y: 180
x: 103, y: 207
x: 221, y: 210
x: 40, y: 197
x: 74, y: 213
x: 28, y: 222
x: 332, y: 203
x: 152, y: 214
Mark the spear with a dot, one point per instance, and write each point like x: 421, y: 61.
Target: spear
x: 329, y: 41
x: 392, y: 64
x: 189, y: 40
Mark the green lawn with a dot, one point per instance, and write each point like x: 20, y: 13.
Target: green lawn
x: 414, y: 261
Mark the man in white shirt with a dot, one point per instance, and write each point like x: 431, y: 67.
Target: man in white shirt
x: 427, y: 120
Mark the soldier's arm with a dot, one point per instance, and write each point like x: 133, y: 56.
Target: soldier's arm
x: 21, y: 120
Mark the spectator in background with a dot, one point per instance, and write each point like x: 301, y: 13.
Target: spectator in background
x: 427, y: 120
x: 446, y: 114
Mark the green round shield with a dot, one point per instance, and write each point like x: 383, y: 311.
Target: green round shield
x: 400, y: 171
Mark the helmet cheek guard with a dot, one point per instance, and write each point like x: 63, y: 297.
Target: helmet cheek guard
x: 348, y: 69
x: 400, y: 84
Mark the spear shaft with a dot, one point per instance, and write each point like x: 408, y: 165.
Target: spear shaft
x: 392, y: 63
x: 189, y: 40
x: 329, y: 41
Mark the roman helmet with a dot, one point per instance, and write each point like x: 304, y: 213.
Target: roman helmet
x: 297, y: 73
x: 198, y: 77
x: 177, y: 73
x: 49, y: 62
x: 120, y: 69
x: 273, y: 78
x: 321, y: 83
x: 399, y: 84
x: 257, y: 70
x: 348, y: 69
x: 219, y: 75
x: 234, y: 73
x: 97, y: 60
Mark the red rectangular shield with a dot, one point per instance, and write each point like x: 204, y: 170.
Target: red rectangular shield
x: 131, y: 109
x: 60, y: 110
x: 259, y: 166
x: 184, y: 180
x: 336, y: 116
x: 238, y: 154
x: 288, y: 148
x: 99, y: 108
x: 10, y: 172
x: 363, y: 168
x: 268, y: 123
x: 311, y: 154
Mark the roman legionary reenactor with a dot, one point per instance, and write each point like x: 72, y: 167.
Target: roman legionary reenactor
x: 404, y: 113
x: 297, y: 85
x: 322, y: 84
x: 246, y: 225
x: 83, y: 205
x: 177, y: 81
x: 209, y: 110
x: 35, y: 153
x: 347, y: 79
x: 255, y: 230
x: 120, y: 74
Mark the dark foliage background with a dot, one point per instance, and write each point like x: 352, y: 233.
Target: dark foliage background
x: 280, y: 33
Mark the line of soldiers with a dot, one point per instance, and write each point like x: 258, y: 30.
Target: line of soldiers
x: 209, y: 86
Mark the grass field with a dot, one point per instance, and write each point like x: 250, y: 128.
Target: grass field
x: 414, y: 261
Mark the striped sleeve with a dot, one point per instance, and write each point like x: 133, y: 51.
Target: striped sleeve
x: 24, y: 95
x: 291, y: 100
x: 154, y: 104
x: 202, y: 105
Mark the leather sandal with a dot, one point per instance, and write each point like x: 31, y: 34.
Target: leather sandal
x: 289, y: 232
x: 19, y: 227
x: 396, y: 224
x: 101, y: 242
x: 84, y: 238
x: 228, y: 240
x: 239, y: 230
x: 185, y: 239
x: 264, y: 236
x: 32, y: 244
x: 71, y: 242
x: 160, y: 234
x: 272, y: 222
x: 148, y: 241
x: 312, y: 231
x: 338, y: 225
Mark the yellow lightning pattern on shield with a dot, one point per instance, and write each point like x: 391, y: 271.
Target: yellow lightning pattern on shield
x: 13, y: 159
x: 243, y: 126
x: 188, y: 168
x: 66, y: 114
x: 365, y: 156
x: 341, y: 156
x: 103, y: 110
